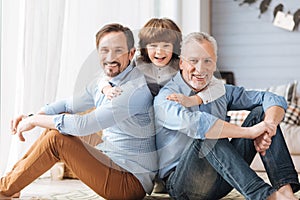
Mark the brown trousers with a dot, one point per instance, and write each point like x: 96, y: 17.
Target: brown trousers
x: 90, y: 165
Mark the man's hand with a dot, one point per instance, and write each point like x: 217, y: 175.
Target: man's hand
x: 20, y: 124
x: 263, y: 142
x: 262, y: 128
x: 14, y: 123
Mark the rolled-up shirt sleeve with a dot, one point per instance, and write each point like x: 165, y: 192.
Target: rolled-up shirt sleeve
x: 239, y: 98
x: 57, y: 107
x: 77, y: 125
x: 215, y: 90
x: 271, y: 99
x: 80, y: 125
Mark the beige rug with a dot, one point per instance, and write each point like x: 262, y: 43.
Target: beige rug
x: 45, y: 189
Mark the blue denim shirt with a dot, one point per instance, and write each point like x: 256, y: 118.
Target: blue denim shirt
x: 177, y: 126
x: 126, y: 120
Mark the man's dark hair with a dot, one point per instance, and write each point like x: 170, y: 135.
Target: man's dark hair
x: 115, y: 27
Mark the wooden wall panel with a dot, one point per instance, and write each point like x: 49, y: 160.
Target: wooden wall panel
x: 259, y: 54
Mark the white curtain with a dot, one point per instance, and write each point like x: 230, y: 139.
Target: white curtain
x: 38, y: 57
x: 44, y: 46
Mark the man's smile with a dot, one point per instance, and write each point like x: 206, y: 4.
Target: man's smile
x: 199, y: 77
x: 112, y: 64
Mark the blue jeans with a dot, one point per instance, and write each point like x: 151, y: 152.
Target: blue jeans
x: 210, y: 169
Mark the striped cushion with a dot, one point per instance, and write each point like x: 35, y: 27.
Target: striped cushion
x: 292, y: 115
x: 238, y: 117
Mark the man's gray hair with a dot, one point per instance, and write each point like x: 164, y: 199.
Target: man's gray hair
x: 200, y: 37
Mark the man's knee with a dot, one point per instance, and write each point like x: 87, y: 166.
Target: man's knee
x: 54, y: 137
x: 258, y: 110
x: 51, y: 134
x: 256, y: 115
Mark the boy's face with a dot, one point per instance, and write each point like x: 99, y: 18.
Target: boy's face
x: 160, y: 53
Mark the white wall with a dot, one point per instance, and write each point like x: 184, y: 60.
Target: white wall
x: 190, y: 15
x: 259, y: 54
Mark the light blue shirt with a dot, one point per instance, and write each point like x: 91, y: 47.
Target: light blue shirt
x: 177, y: 126
x: 126, y: 120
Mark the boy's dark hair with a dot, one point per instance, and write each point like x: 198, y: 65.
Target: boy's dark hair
x: 159, y: 30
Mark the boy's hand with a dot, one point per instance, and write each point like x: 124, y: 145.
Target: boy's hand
x: 185, y: 100
x: 111, y: 92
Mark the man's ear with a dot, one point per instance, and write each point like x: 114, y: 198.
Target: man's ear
x: 180, y: 64
x: 131, y: 53
x: 215, y: 68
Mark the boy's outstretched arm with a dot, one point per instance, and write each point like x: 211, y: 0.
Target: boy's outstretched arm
x: 185, y: 100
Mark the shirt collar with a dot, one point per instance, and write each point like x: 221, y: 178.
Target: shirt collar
x: 173, y: 64
x: 185, y: 88
x: 117, y: 79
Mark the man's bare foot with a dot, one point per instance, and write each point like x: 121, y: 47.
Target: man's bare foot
x: 279, y: 196
x: 287, y: 191
x: 17, y: 195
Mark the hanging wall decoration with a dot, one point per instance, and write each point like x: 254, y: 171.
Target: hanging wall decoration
x: 247, y: 1
x: 263, y: 7
x: 279, y: 7
x: 283, y: 19
x: 296, y: 18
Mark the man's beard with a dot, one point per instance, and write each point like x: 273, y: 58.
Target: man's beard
x: 114, y: 71
x: 199, y: 88
x: 111, y: 72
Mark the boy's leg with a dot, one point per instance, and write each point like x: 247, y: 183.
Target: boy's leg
x: 89, y: 164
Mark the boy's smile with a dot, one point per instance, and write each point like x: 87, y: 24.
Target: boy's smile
x: 160, y: 53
